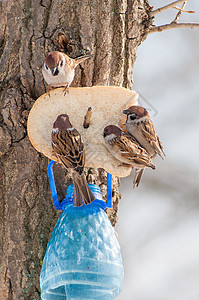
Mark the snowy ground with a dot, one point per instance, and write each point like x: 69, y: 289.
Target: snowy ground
x: 159, y: 221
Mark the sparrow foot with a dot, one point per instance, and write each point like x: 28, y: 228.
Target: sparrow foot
x: 66, y: 89
x: 49, y: 88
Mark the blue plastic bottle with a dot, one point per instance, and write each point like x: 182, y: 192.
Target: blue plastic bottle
x: 83, y: 258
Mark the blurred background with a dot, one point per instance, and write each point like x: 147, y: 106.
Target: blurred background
x: 158, y: 226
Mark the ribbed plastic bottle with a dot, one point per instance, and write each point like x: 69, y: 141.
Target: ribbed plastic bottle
x: 83, y: 259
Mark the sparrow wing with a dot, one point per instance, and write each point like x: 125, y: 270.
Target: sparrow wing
x: 149, y: 132
x: 69, y: 148
x: 160, y: 145
x: 80, y: 59
x: 131, y: 151
x: 70, y: 62
x: 138, y: 148
x: 74, y: 62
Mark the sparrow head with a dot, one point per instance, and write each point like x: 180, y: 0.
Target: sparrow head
x: 62, y: 123
x: 112, y: 131
x: 54, y: 63
x: 135, y: 114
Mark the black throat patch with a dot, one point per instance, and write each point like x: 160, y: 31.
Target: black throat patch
x: 56, y: 72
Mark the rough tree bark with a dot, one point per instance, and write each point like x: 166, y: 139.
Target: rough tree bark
x: 111, y: 30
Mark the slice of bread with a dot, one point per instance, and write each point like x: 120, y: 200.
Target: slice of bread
x: 107, y: 104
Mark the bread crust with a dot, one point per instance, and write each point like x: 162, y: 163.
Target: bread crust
x: 107, y: 105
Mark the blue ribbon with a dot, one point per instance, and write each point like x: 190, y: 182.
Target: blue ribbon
x: 70, y: 192
x: 52, y: 185
x: 109, y: 190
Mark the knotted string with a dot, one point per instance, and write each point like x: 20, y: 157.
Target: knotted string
x: 70, y: 192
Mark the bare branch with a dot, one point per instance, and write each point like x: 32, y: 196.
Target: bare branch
x: 177, y: 18
x: 184, y: 10
x: 173, y: 26
x: 161, y: 9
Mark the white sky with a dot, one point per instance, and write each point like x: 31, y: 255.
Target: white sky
x: 159, y: 221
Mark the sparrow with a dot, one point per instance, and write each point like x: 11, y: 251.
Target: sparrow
x: 59, y: 69
x: 140, y: 126
x: 68, y: 147
x: 125, y: 148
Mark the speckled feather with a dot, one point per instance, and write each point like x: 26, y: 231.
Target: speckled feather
x: 143, y: 129
x: 149, y: 132
x: 130, y: 150
x: 69, y: 148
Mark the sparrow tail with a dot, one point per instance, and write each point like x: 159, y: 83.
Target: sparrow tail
x: 138, y: 176
x: 80, y: 59
x: 152, y: 166
x: 78, y: 199
x: 162, y: 149
x: 144, y: 161
x: 82, y: 193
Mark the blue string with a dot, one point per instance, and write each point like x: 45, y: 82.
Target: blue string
x: 68, y: 200
x: 109, y: 190
x: 52, y: 185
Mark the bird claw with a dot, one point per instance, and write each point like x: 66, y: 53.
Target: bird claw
x: 49, y: 88
x: 66, y: 90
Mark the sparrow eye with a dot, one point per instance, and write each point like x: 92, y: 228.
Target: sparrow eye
x: 133, y: 117
x: 46, y: 67
x: 61, y: 63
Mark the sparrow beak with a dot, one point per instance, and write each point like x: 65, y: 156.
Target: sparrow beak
x: 52, y: 70
x: 126, y: 111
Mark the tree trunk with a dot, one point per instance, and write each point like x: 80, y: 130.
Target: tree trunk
x: 111, y: 30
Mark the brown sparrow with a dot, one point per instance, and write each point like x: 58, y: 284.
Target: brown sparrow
x: 125, y: 148
x: 68, y: 147
x: 140, y: 126
x: 59, y: 69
